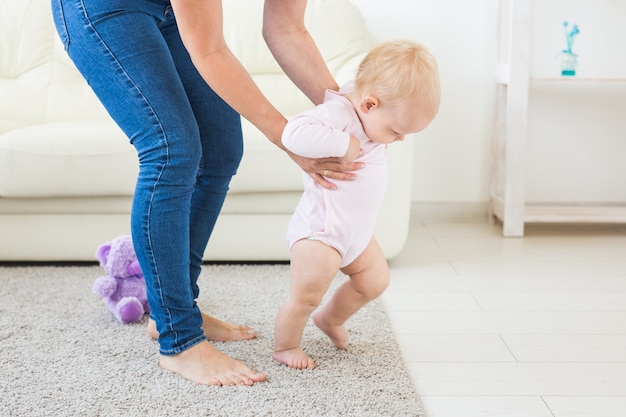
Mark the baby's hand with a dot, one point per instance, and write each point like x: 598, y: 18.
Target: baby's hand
x: 354, y: 150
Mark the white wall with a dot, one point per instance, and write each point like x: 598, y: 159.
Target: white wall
x: 453, y: 157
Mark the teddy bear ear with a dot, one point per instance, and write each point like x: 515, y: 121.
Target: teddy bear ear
x: 103, y: 253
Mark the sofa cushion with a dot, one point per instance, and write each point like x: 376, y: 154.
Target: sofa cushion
x: 79, y: 158
x: 264, y: 167
x: 43, y: 161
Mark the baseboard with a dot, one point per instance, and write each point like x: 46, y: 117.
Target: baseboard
x: 449, y: 211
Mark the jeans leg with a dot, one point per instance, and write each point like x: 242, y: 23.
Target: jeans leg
x: 119, y: 48
x: 222, y: 148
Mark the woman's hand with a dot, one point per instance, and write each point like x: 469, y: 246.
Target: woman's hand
x: 321, y: 170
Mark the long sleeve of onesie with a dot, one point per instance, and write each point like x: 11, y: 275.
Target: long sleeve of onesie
x: 320, y: 132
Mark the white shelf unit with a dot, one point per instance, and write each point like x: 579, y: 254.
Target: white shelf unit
x: 508, y: 204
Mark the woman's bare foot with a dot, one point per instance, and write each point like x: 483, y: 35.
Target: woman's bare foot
x: 215, y: 330
x: 206, y: 365
x: 294, y: 358
x: 337, y: 334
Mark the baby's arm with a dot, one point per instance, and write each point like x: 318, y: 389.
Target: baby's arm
x: 310, y: 138
x: 321, y: 133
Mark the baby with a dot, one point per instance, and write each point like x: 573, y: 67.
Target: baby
x: 396, y: 92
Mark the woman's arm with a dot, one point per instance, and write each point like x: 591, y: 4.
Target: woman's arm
x: 294, y: 48
x: 200, y: 23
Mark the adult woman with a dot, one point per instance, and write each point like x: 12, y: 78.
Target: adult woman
x: 151, y: 63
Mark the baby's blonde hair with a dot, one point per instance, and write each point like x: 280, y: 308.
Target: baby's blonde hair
x: 397, y: 70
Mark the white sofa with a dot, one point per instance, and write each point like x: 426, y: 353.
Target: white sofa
x: 67, y: 172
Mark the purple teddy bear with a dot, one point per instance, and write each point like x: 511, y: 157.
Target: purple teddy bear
x: 124, y: 287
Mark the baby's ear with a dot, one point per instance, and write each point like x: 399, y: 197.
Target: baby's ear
x: 369, y: 103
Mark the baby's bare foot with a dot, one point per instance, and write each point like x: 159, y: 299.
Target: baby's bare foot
x: 294, y: 358
x: 337, y: 334
x: 215, y: 330
x: 206, y: 365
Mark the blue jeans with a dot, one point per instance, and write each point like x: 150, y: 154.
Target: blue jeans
x: 188, y: 140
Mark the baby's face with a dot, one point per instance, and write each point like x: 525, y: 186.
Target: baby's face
x: 388, y: 123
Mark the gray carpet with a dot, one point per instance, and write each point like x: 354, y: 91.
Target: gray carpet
x: 63, y: 354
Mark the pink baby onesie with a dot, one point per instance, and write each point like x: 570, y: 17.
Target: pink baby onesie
x: 343, y: 218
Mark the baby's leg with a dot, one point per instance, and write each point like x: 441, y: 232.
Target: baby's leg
x: 369, y: 277
x: 215, y: 330
x: 313, y: 267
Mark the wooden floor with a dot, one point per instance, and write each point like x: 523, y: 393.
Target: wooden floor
x: 503, y: 327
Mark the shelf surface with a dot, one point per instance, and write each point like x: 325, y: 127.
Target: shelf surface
x: 566, y: 213
x: 576, y: 79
